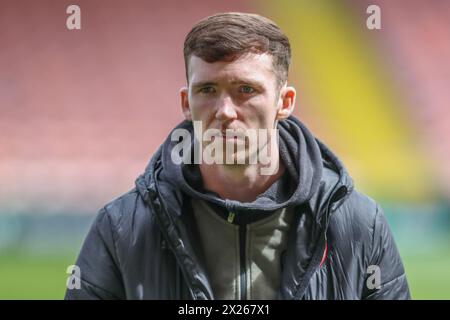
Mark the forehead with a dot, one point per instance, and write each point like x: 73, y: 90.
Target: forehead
x: 251, y: 66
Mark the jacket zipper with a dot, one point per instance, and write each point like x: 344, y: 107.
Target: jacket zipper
x: 181, y: 266
x: 242, y: 226
x: 242, y: 255
x: 316, y: 258
x: 167, y: 238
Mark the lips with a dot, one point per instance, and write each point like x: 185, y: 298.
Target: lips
x: 233, y: 134
x: 232, y: 138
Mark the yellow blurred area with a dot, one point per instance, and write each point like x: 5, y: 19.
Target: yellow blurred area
x: 350, y: 103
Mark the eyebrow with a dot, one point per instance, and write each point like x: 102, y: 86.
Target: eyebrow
x: 203, y: 84
x: 253, y: 82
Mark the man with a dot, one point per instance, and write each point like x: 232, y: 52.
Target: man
x: 229, y: 230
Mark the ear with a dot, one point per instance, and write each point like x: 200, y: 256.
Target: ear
x: 184, y: 95
x: 286, y: 102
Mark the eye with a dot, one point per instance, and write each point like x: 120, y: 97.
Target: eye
x: 246, y: 89
x: 207, y: 89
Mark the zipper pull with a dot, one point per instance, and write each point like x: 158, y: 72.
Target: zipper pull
x: 231, y: 216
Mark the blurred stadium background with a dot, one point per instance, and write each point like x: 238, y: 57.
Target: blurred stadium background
x: 81, y: 112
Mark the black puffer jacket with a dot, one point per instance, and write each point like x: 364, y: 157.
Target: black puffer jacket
x: 143, y: 245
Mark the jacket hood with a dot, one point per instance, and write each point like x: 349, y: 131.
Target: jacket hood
x: 314, y: 171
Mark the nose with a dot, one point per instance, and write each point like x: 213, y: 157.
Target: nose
x: 226, y: 109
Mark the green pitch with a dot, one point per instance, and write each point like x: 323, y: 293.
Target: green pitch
x: 27, y: 277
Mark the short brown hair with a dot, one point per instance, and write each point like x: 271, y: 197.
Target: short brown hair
x: 226, y: 36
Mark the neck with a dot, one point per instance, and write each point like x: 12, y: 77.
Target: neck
x: 243, y: 183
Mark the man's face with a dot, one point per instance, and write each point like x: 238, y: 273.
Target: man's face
x: 241, y: 94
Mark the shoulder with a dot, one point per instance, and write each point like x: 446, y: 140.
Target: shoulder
x: 358, y: 207
x: 354, y: 222
x: 125, y: 216
x: 121, y: 206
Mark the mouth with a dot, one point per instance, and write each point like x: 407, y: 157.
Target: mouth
x: 232, y: 134
x: 232, y: 137
x: 226, y: 137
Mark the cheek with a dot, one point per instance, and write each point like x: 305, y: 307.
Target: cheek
x: 202, y: 111
x: 266, y: 112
